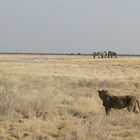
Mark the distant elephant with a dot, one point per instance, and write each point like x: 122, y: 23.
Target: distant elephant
x: 95, y: 54
x: 112, y: 54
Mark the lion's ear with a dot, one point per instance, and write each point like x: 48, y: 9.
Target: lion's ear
x: 106, y: 91
x: 98, y: 91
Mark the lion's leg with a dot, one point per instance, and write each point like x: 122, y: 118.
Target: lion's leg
x: 138, y: 104
x: 129, y: 108
x: 135, y: 108
x: 132, y: 107
x: 107, y: 111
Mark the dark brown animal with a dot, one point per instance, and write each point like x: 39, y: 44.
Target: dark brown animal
x: 118, y: 102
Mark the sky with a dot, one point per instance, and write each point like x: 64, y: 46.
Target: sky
x: 69, y: 26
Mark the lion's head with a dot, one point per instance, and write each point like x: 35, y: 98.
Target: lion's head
x: 103, y: 94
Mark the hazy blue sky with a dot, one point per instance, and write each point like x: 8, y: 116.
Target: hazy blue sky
x: 69, y: 26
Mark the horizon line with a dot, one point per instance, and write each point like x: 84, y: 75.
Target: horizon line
x: 45, y: 53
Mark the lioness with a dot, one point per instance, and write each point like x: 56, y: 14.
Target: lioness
x: 118, y: 102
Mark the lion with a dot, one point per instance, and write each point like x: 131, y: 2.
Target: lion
x: 118, y: 102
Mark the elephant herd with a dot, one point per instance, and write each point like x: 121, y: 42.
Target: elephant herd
x: 104, y: 54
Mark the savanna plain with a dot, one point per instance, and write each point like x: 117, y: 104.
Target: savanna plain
x: 50, y: 97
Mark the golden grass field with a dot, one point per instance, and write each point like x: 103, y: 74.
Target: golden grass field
x: 44, y: 97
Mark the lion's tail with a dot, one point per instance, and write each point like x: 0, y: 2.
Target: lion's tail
x: 138, y: 104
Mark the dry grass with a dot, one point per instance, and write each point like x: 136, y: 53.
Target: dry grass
x: 55, y: 97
